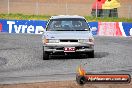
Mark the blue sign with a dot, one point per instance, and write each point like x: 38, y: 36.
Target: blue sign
x: 37, y: 27
x: 23, y: 26
x: 94, y: 27
x: 127, y: 27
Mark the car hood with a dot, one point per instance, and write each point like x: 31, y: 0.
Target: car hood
x: 68, y: 34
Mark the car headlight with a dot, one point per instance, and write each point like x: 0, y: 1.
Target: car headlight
x: 53, y: 41
x: 45, y: 41
x: 86, y: 40
x: 91, y: 40
x: 83, y: 41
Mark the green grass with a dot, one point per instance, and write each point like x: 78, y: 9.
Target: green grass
x: 107, y: 19
x: 23, y: 17
x: 46, y: 17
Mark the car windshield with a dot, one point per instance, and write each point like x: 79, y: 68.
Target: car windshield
x: 67, y: 24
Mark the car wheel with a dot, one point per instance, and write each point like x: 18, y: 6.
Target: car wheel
x: 91, y: 54
x: 45, y: 55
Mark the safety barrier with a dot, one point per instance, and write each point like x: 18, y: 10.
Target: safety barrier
x: 37, y: 26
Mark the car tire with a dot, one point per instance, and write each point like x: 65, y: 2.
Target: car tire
x: 91, y: 54
x: 45, y: 55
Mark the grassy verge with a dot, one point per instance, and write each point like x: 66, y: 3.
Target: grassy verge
x: 107, y: 19
x: 23, y: 17
x: 44, y: 17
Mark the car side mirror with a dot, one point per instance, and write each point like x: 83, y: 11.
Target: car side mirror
x: 43, y: 30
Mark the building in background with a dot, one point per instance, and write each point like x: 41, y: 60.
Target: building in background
x: 97, y: 8
x: 105, y: 8
x: 110, y: 8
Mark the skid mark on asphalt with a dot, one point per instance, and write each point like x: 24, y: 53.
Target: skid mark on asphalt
x: 10, y: 49
x: 3, y: 61
x: 100, y: 54
x: 118, y: 71
x: 42, y: 75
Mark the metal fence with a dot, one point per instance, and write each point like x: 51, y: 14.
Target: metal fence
x: 38, y: 7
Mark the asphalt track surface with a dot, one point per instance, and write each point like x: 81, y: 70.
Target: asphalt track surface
x: 21, y: 59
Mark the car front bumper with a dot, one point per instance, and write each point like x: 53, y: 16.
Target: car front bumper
x: 59, y: 47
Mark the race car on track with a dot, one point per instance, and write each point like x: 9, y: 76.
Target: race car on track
x: 67, y: 34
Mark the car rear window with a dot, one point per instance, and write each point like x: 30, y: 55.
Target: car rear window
x: 68, y: 24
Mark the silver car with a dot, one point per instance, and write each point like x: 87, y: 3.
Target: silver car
x: 67, y: 34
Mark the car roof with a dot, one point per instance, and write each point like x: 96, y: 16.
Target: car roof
x: 66, y: 16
